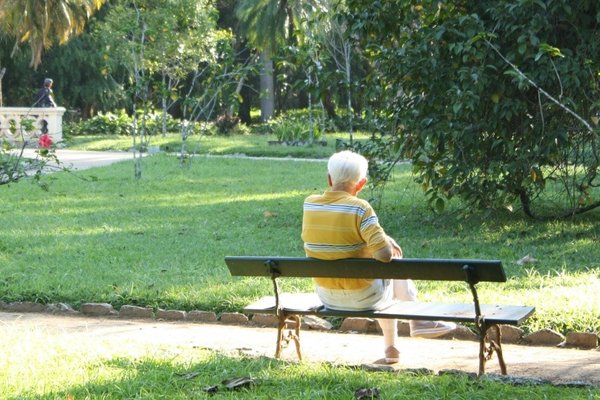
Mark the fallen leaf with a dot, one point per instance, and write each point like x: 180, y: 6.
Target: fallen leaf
x: 238, y: 383
x: 364, y: 394
x: 211, y: 389
x: 526, y: 260
x: 190, y: 375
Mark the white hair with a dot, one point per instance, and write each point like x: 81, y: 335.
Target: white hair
x: 347, y: 167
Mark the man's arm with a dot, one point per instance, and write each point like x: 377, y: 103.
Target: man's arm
x: 389, y: 252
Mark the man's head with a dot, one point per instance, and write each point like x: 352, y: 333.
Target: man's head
x: 347, y: 169
x: 48, y: 82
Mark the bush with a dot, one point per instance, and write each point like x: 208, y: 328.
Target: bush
x: 295, y: 126
x: 225, y: 123
x: 120, y: 123
x: 102, y: 124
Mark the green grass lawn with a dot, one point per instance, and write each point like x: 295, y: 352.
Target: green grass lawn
x: 160, y: 241
x: 250, y: 145
x: 101, y: 235
x: 39, y: 365
x: 36, y: 365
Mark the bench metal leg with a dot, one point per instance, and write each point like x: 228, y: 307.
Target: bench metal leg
x: 293, y: 334
x: 495, y: 345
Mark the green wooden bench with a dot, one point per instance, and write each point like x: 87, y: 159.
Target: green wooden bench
x: 290, y: 307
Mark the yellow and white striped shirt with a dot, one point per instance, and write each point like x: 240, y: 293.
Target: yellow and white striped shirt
x: 338, y: 225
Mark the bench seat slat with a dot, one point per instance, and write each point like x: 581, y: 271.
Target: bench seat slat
x: 309, y: 303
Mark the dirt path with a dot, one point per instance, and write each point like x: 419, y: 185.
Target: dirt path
x: 109, y: 335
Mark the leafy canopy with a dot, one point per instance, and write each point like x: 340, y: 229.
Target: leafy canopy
x: 494, y: 102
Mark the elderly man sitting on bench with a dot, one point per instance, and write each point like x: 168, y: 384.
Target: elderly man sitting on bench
x: 337, y: 225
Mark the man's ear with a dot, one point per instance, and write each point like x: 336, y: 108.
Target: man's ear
x: 361, y: 184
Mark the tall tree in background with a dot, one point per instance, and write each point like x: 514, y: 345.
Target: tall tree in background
x: 266, y: 25
x: 42, y: 23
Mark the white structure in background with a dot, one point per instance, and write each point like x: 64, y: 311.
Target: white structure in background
x: 26, y: 124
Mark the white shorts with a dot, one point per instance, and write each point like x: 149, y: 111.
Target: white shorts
x: 375, y: 297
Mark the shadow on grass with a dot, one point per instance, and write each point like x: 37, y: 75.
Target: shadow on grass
x: 266, y: 378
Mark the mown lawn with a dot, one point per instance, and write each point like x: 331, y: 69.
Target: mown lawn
x: 36, y: 365
x: 102, y: 236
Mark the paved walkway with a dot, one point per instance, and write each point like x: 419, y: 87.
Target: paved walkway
x: 76, y: 159
x: 110, y: 335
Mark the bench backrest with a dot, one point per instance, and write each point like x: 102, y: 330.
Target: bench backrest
x: 407, y: 268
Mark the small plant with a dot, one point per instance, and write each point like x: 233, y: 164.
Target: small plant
x: 120, y: 123
x: 295, y: 128
x: 226, y: 123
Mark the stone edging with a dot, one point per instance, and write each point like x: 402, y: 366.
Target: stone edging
x: 510, y: 334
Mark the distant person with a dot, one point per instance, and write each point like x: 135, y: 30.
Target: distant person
x: 338, y: 225
x: 43, y: 97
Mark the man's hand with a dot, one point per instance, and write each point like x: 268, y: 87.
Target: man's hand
x: 396, y: 249
x: 388, y: 253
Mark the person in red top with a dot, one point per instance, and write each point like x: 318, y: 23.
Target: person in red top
x: 338, y: 225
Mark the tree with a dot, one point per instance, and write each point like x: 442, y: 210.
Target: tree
x: 264, y: 24
x: 494, y: 102
x: 42, y: 23
x: 325, y: 33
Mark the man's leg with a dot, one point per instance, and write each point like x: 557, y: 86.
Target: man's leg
x: 406, y: 290
x: 389, y: 328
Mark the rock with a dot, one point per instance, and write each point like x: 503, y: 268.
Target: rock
x: 457, y: 372
x: 418, y: 371
x: 403, y: 328
x: 128, y: 311
x: 266, y: 320
x: 170, y: 315
x: 543, y: 337
x: 576, y: 384
x: 234, y: 318
x: 516, y: 380
x: 377, y: 368
x: 60, y: 308
x: 96, y: 309
x: 25, y: 306
x: 582, y: 340
x: 361, y: 325
x: 316, y: 323
x: 201, y: 316
x: 511, y: 334
x: 461, y: 333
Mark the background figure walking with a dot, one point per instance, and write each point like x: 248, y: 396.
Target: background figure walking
x: 43, y: 97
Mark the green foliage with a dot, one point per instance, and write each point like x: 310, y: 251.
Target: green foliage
x: 492, y: 101
x: 383, y: 153
x: 102, y: 124
x: 296, y: 126
x: 120, y: 123
x: 42, y: 24
x: 15, y: 167
x: 226, y: 123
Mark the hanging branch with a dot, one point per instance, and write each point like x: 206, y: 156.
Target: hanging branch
x: 539, y: 89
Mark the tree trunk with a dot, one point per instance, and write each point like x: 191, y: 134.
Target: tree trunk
x: 244, y: 109
x: 267, y: 87
x: 2, y: 71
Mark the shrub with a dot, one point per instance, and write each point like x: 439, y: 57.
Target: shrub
x: 226, y: 123
x: 102, y: 124
x: 120, y: 123
x: 295, y: 126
